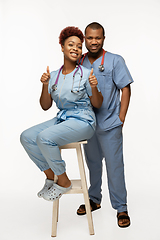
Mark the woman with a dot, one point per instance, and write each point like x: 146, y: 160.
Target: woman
x: 74, y: 89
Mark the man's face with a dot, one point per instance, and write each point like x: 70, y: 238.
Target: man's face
x: 94, y: 40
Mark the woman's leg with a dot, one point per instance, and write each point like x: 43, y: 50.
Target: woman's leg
x: 28, y: 140
x: 50, y: 139
x: 63, y: 180
x: 49, y: 174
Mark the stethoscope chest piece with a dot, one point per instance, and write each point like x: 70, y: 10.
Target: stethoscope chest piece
x: 101, y: 68
x: 54, y: 87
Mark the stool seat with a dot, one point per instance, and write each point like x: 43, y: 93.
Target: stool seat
x: 73, y: 145
x: 78, y: 186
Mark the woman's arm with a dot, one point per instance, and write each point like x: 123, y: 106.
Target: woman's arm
x: 45, y: 99
x: 96, y: 98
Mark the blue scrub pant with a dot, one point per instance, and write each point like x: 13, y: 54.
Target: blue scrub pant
x: 107, y: 145
x: 42, y: 141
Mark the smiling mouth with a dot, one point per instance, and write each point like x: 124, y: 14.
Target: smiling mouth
x: 74, y: 54
x: 94, y: 47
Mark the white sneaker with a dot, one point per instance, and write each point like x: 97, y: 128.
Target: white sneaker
x: 48, y: 184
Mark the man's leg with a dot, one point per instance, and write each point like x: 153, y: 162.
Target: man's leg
x: 93, y: 155
x: 112, y: 146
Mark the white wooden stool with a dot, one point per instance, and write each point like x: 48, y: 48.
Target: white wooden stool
x: 78, y: 186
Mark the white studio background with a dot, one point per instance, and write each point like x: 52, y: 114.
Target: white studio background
x: 29, y: 42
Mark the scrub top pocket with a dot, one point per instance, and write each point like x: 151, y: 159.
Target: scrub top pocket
x: 105, y: 81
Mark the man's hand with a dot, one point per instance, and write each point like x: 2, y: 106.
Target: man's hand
x: 45, y: 77
x: 122, y: 118
x: 92, y: 79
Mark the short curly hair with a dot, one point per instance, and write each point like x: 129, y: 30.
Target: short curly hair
x: 95, y: 26
x: 68, y: 32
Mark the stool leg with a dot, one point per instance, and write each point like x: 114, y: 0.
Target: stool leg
x: 55, y: 180
x: 55, y: 217
x: 55, y: 213
x: 85, y: 190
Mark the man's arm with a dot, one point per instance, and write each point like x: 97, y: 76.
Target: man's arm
x: 125, y: 99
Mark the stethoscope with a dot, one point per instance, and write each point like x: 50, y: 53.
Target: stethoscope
x: 101, y: 66
x: 54, y: 86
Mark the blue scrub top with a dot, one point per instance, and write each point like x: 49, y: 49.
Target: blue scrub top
x: 73, y: 105
x: 115, y: 77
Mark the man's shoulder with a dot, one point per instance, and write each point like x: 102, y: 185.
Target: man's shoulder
x: 113, y: 58
x: 113, y: 55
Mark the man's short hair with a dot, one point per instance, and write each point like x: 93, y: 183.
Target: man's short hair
x: 95, y: 25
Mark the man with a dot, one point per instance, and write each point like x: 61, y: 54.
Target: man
x: 112, y: 75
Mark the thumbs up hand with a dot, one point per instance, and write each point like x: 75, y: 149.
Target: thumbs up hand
x: 45, y: 77
x: 92, y: 79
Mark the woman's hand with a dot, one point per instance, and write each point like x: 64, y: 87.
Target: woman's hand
x: 45, y: 77
x: 45, y: 99
x: 92, y: 79
x: 96, y: 98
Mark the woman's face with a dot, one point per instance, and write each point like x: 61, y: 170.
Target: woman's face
x: 72, y: 48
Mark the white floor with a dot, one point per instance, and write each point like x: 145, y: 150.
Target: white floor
x: 30, y: 31
x: 24, y: 216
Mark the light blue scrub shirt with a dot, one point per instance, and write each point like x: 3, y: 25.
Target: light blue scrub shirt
x: 115, y: 77
x: 73, y: 105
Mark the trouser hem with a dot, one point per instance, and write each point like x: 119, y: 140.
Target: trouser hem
x: 124, y: 209
x: 43, y: 169
x: 95, y: 200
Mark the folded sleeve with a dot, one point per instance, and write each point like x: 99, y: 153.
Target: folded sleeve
x: 51, y: 81
x: 121, y: 74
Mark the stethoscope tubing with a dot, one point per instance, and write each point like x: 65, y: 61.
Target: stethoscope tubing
x: 54, y: 86
x: 101, y: 69
x: 101, y: 66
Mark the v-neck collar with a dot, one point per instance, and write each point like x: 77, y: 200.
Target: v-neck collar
x: 100, y: 58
